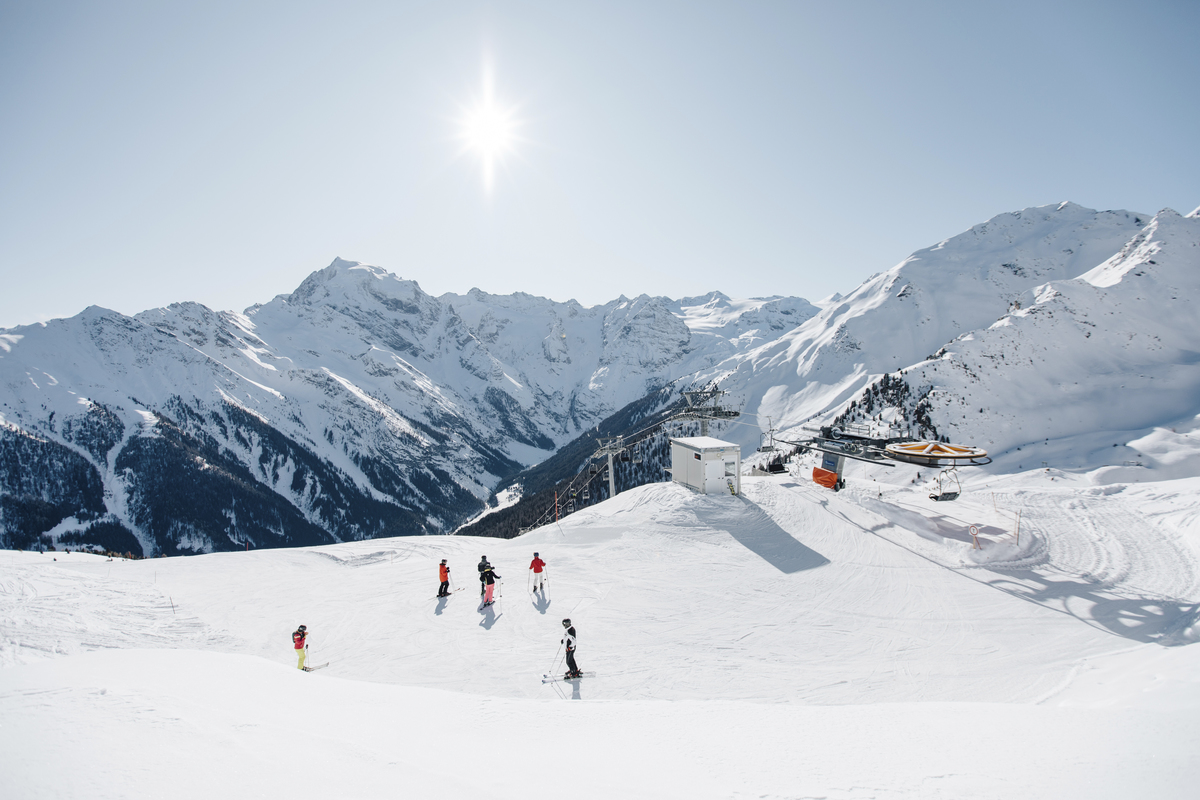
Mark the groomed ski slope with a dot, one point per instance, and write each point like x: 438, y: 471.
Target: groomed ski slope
x: 788, y: 643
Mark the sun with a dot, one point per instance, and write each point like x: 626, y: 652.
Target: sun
x: 490, y: 130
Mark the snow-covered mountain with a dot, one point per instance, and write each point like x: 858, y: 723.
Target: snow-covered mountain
x: 359, y: 406
x: 1099, y: 371
x: 354, y: 407
x: 1043, y: 324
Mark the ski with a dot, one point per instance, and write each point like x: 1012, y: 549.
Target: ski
x: 447, y: 594
x: 315, y: 667
x: 554, y: 678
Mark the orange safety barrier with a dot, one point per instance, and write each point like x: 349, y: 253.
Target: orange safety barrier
x: 825, y: 477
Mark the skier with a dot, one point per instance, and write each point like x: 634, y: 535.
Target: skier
x: 537, y: 565
x: 483, y: 564
x: 444, y: 577
x: 298, y: 641
x: 489, y: 578
x: 569, y: 640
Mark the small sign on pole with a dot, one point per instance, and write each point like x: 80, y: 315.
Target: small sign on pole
x: 975, y: 536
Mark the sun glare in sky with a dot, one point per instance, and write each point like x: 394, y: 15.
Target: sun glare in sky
x: 489, y: 129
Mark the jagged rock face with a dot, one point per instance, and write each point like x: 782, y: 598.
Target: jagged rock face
x: 356, y: 406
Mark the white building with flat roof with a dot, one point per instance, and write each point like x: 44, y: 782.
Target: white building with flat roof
x: 708, y: 465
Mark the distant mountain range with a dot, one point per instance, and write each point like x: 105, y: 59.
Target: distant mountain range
x: 358, y: 406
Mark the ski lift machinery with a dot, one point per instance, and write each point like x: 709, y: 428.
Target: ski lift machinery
x: 858, y: 443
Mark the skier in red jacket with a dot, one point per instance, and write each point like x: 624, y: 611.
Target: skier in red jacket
x: 539, y: 577
x: 444, y: 577
x: 299, y: 642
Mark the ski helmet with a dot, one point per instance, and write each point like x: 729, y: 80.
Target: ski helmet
x: 302, y: 628
x: 566, y: 623
x: 535, y: 555
x: 443, y: 561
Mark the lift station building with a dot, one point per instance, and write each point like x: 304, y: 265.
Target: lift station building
x: 708, y: 465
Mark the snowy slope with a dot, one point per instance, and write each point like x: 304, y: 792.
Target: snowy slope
x: 786, y: 643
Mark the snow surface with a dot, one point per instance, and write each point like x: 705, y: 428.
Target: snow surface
x: 786, y: 643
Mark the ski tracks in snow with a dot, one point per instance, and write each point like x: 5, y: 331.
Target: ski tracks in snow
x: 1106, y: 564
x: 1093, y: 555
x: 48, y: 609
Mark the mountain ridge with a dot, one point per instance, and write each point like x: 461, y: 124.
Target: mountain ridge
x: 411, y: 409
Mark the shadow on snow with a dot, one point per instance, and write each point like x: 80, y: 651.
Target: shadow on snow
x: 758, y: 533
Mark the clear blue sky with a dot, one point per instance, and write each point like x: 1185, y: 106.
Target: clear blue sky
x: 221, y: 151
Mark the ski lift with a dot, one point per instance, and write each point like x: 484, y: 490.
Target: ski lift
x: 586, y: 494
x: 766, y: 441
x: 948, y: 487
x: 593, y: 469
x: 625, y: 457
x: 570, y: 506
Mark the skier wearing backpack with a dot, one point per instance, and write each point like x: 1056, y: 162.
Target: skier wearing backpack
x: 299, y: 641
x: 539, y: 577
x: 569, y: 640
x: 483, y: 564
x: 444, y: 577
x: 489, y: 579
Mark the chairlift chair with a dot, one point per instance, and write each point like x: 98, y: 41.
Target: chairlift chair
x: 948, y: 487
x: 586, y: 494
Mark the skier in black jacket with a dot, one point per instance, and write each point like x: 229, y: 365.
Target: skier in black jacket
x: 489, y: 580
x: 569, y: 640
x: 483, y: 564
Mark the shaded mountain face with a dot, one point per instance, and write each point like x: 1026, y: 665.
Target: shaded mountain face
x: 357, y: 406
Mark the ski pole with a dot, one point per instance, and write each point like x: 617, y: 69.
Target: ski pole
x: 555, y: 665
x: 528, y: 573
